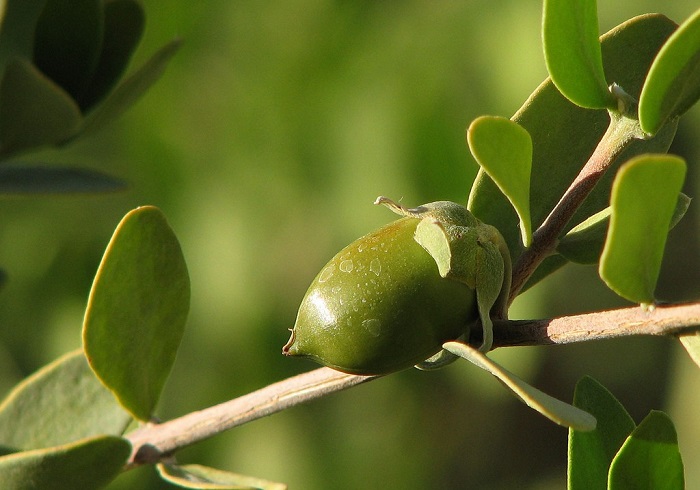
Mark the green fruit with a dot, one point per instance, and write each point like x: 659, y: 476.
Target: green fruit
x: 380, y: 305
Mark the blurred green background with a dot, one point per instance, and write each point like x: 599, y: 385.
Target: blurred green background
x: 272, y: 132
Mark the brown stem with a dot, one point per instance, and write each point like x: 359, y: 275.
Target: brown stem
x: 153, y: 442
x: 621, y: 131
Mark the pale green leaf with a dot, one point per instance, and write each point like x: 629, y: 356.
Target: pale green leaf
x: 504, y: 150
x: 673, y: 83
x: 60, y: 403
x: 691, y: 342
x: 88, y: 464
x: 137, y: 310
x: 572, y: 52
x: 649, y: 458
x: 644, y: 196
x: 202, y: 477
x: 555, y: 410
x: 591, y: 452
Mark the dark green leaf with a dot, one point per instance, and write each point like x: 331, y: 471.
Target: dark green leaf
x: 87, y: 464
x: 673, y: 83
x: 131, y: 89
x: 197, y: 476
x: 124, y: 21
x: 572, y: 52
x: 565, y: 135
x: 137, y: 310
x: 32, y: 179
x: 590, y: 453
x: 644, y: 195
x: 60, y: 403
x: 504, y: 150
x: 584, y: 243
x: 649, y: 458
x: 67, y: 42
x: 33, y: 110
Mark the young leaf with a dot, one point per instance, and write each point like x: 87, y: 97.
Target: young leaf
x: 649, y: 458
x: 572, y: 52
x: 197, y: 476
x: 131, y: 89
x: 504, y: 150
x: 87, y: 464
x: 643, y: 198
x: 124, y: 22
x: 22, y: 179
x: 67, y: 42
x: 584, y: 242
x: 34, y: 111
x: 555, y: 410
x: 673, y: 83
x: 590, y: 453
x: 60, y: 403
x: 564, y: 136
x: 137, y: 310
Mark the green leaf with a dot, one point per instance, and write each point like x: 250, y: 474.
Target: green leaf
x: 60, y: 403
x: 131, y: 89
x: 17, y: 32
x: 643, y: 199
x: 67, y: 42
x: 649, y: 458
x: 124, y: 22
x: 33, y: 110
x: 590, y: 453
x: 691, y: 342
x: 504, y: 150
x: 137, y: 310
x: 584, y: 243
x: 87, y: 464
x: 22, y: 179
x: 565, y: 135
x: 555, y: 410
x: 572, y: 52
x: 197, y: 476
x: 673, y: 83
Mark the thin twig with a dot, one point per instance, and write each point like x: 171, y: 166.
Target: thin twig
x: 153, y: 442
x: 617, y: 137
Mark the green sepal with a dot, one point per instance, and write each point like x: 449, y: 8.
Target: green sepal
x: 555, y: 410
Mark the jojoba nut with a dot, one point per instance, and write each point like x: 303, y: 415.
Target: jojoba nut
x: 380, y: 305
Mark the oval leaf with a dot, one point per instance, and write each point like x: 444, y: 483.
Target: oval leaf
x: 643, y: 199
x: 87, y: 464
x: 555, y: 410
x: 504, y: 150
x: 590, y: 453
x: 124, y: 21
x: 137, y: 310
x: 17, y: 179
x: 673, y: 83
x: 565, y: 135
x: 67, y: 42
x: 60, y: 403
x: 649, y: 458
x: 584, y: 243
x: 34, y: 111
x: 572, y: 52
x: 198, y: 476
